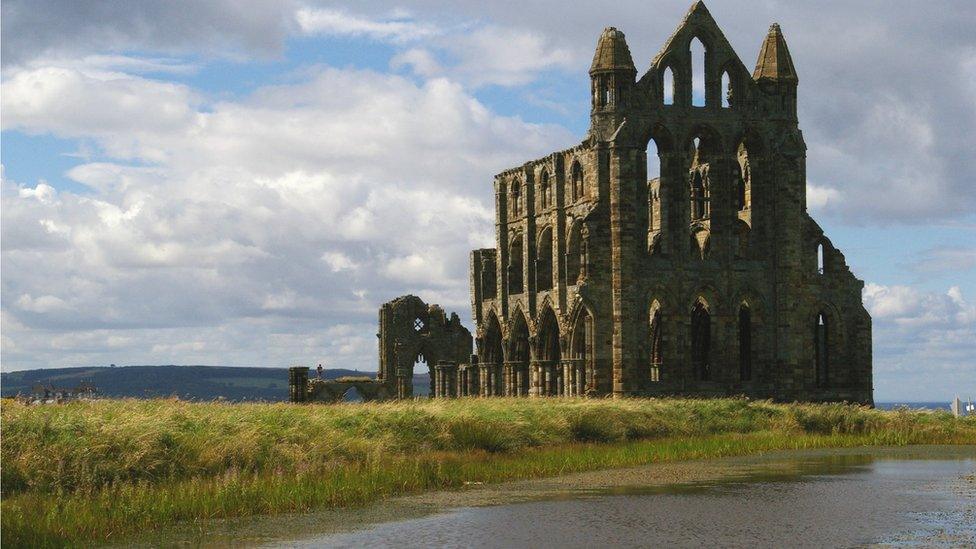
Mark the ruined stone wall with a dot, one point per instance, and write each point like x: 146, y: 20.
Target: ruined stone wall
x: 603, y: 278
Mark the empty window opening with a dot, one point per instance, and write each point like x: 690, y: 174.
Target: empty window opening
x: 573, y: 258
x: 546, y: 190
x: 697, y: 73
x: 668, y: 86
x: 699, y: 196
x: 726, y: 90
x: 821, y: 350
x: 820, y: 258
x: 653, y: 161
x: 740, y: 187
x: 516, y: 199
x: 418, y: 324
x: 657, y: 352
x: 701, y: 335
x: 515, y: 265
x: 745, y: 344
x: 577, y: 181
x: 543, y: 263
x: 421, y: 361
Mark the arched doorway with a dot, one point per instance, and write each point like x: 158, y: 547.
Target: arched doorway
x: 518, y: 380
x: 549, y: 375
x: 580, y: 374
x: 701, y: 336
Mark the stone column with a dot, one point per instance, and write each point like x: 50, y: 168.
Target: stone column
x: 536, y: 378
x: 404, y: 383
x: 438, y: 381
x: 298, y: 383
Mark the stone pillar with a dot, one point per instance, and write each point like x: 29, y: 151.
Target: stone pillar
x: 404, y: 380
x: 483, y: 378
x: 580, y: 377
x: 535, y: 378
x: 438, y: 381
x: 298, y: 383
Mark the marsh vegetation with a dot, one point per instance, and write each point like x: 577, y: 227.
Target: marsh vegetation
x: 100, y: 471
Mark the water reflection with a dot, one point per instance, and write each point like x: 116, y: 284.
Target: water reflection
x: 858, y: 497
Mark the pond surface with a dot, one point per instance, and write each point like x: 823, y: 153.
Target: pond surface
x: 890, y: 497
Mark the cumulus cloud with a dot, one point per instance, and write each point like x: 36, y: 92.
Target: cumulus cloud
x: 342, y: 23
x: 290, y: 211
x: 924, y: 342
x: 819, y: 198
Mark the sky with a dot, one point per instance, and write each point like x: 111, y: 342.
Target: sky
x: 243, y: 183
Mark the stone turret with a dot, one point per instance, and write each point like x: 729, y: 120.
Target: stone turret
x: 775, y: 72
x: 612, y: 77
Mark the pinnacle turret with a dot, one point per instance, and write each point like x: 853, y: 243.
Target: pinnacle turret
x: 774, y: 61
x: 612, y: 53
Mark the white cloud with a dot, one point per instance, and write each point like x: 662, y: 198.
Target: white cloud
x: 924, y: 342
x: 820, y: 197
x: 296, y: 208
x: 341, y: 23
x: 420, y: 60
x: 339, y: 261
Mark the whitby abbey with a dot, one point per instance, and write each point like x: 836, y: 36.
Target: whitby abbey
x: 710, y: 279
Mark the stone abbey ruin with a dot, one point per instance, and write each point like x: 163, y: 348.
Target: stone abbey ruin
x: 709, y: 280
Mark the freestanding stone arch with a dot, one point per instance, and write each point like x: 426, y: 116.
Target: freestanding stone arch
x: 410, y: 328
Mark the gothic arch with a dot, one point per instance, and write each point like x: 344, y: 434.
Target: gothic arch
x: 543, y: 261
x: 702, y: 326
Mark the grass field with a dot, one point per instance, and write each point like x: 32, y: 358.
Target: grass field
x: 101, y: 471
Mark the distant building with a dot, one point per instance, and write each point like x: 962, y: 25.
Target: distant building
x: 46, y: 393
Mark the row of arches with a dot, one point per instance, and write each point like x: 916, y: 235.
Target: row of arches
x: 546, y: 190
x: 575, y: 264
x: 672, y: 69
x: 709, y: 170
x: 541, y: 366
x: 702, y: 349
x: 521, y: 365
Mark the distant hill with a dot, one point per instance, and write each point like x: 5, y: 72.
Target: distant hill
x: 187, y: 382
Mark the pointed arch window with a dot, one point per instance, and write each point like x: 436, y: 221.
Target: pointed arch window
x: 576, y: 176
x: 821, y: 350
x: 543, y: 262
x: 516, y: 198
x: 699, y: 196
x: 701, y: 336
x: 697, y: 73
x: 726, y: 90
x: 668, y: 90
x: 546, y: 190
x: 515, y: 284
x: 820, y: 258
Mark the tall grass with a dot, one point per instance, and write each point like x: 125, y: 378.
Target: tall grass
x: 96, y: 471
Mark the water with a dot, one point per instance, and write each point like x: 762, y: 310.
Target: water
x: 905, y: 497
x: 947, y: 405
